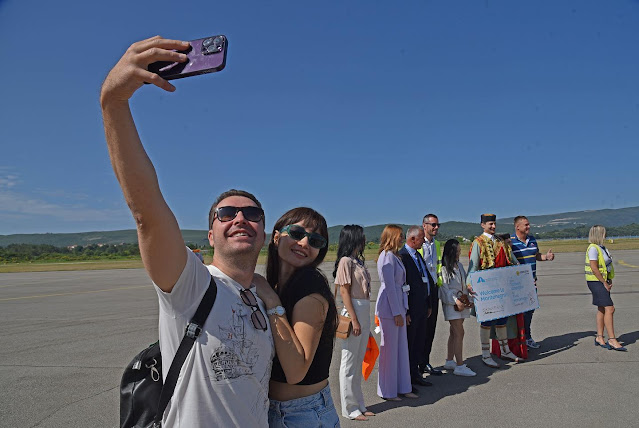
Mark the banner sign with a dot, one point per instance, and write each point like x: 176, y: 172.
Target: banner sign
x: 502, y: 292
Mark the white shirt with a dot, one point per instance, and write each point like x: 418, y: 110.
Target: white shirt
x: 430, y: 257
x: 420, y: 266
x: 224, y: 380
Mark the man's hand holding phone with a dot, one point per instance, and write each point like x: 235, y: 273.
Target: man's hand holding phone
x: 131, y: 72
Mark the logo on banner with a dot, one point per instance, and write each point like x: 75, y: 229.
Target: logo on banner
x: 480, y: 279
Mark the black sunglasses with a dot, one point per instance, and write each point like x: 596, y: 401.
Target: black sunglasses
x: 254, y: 214
x: 298, y: 233
x: 434, y: 224
x: 257, y: 317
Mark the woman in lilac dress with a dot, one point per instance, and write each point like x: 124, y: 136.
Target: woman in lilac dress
x: 392, y: 303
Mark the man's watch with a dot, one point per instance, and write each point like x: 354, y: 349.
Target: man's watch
x: 278, y: 310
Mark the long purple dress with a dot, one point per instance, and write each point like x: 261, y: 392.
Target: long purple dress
x: 394, y: 370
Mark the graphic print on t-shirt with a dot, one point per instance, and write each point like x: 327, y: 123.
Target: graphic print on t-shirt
x: 237, y: 354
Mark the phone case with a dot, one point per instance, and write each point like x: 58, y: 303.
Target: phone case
x: 206, y: 55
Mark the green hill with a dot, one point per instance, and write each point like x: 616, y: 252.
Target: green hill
x: 619, y: 222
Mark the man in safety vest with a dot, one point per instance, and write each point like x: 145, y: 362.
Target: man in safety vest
x: 432, y: 253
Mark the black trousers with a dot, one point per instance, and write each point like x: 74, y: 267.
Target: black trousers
x: 416, y: 333
x: 430, y: 325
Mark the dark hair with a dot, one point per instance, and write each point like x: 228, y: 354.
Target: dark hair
x: 449, y: 256
x: 427, y: 216
x: 228, y: 194
x: 504, y: 236
x: 351, y: 239
x: 314, y: 220
x: 519, y: 218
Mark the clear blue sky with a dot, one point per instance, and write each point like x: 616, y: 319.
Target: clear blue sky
x: 345, y: 106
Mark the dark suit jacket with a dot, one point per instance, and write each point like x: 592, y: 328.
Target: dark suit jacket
x: 418, y: 299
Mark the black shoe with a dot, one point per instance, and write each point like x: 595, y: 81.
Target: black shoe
x: 420, y: 382
x: 433, y: 371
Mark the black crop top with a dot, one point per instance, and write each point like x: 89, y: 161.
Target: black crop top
x: 304, y: 283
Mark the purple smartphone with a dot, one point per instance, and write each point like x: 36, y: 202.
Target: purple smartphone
x: 206, y: 55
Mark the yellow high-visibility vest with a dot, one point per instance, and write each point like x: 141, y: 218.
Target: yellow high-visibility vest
x: 602, y: 266
x: 438, y: 250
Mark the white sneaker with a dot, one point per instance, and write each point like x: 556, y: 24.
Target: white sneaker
x: 463, y: 370
x: 490, y: 362
x: 450, y: 365
x: 532, y: 344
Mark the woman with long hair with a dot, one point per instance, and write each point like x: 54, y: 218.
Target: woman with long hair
x: 599, y: 274
x: 391, y: 307
x: 453, y: 293
x: 354, y: 282
x: 301, y: 311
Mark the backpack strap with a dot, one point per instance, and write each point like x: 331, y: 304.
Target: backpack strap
x: 191, y: 333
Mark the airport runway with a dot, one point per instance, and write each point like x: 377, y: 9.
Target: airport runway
x: 66, y: 337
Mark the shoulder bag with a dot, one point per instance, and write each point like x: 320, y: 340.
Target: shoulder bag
x: 143, y: 398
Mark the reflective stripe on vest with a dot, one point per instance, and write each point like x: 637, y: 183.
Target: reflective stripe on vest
x: 438, y: 250
x: 601, y: 264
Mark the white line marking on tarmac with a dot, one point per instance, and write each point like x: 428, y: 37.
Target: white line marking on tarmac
x: 71, y: 294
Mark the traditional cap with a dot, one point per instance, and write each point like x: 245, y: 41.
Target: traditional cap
x: 488, y: 217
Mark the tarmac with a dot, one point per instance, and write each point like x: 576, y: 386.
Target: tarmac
x: 67, y: 336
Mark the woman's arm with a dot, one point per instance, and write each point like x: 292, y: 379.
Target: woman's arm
x: 446, y: 295
x: 345, y: 292
x: 344, y: 280
x: 594, y: 266
x: 392, y: 290
x: 295, y: 344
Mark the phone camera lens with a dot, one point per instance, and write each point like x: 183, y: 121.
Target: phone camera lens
x: 213, y: 45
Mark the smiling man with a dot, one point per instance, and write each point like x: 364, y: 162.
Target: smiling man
x: 224, y: 379
x: 527, y: 252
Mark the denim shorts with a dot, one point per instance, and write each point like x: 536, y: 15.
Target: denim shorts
x: 316, y: 410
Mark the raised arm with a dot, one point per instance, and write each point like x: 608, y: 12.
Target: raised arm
x: 295, y: 342
x: 161, y: 244
x: 393, y: 291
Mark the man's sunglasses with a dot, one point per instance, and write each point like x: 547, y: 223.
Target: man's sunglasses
x: 257, y: 317
x: 434, y: 224
x: 298, y: 233
x: 254, y: 214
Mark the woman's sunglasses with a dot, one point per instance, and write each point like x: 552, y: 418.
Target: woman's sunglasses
x: 298, y: 233
x: 254, y: 214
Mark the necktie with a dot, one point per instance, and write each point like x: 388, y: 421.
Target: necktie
x: 421, y: 267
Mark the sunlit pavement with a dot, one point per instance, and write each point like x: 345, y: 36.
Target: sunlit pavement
x: 66, y: 337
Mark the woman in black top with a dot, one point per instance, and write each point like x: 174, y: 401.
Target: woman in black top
x: 301, y: 311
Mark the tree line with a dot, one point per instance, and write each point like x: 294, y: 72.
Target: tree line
x: 582, y: 232
x: 14, y: 253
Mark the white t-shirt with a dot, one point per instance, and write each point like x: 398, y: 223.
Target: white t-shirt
x: 224, y: 380
x: 593, y: 254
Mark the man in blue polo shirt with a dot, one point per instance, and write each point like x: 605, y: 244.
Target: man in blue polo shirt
x: 526, y: 251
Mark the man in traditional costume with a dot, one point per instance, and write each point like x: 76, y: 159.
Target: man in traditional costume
x: 488, y: 252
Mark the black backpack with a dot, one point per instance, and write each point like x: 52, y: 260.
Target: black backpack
x: 143, y: 398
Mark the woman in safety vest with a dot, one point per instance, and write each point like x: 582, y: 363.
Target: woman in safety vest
x: 599, y: 275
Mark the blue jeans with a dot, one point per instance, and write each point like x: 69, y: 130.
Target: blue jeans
x: 316, y: 410
x: 527, y: 320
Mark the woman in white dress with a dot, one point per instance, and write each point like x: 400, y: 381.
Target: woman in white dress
x: 452, y: 293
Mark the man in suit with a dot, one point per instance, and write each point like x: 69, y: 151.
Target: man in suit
x: 417, y: 277
x: 432, y: 253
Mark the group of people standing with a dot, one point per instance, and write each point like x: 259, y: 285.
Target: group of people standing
x: 262, y: 356
x: 416, y: 273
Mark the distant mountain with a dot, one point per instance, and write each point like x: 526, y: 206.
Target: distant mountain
x: 570, y: 224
